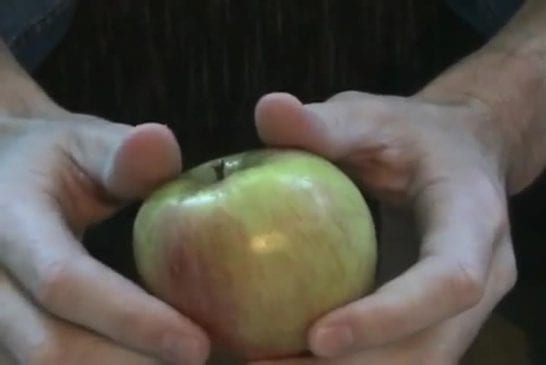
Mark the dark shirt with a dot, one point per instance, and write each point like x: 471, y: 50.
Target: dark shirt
x: 487, y: 16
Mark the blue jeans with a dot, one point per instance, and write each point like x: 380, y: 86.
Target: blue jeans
x: 32, y: 28
x: 486, y: 16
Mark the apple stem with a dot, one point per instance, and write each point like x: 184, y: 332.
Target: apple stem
x: 220, y: 170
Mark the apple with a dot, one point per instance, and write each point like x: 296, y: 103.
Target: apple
x: 256, y: 246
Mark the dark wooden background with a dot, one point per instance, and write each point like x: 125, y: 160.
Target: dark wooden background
x: 200, y: 66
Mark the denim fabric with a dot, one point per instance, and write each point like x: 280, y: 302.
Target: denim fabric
x: 486, y: 16
x: 31, y: 28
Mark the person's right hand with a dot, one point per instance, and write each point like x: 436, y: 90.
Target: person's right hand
x: 58, y: 305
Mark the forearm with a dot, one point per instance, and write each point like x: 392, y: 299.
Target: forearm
x: 20, y: 95
x: 507, y: 78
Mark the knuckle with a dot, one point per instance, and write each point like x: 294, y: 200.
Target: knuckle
x: 466, y: 284
x: 130, y: 323
x: 508, y: 277
x: 140, y: 325
x: 54, y: 281
x: 489, y: 202
x: 505, y: 274
x: 69, y: 137
x: 395, y: 320
x: 348, y: 95
x: 383, y: 114
x: 497, y: 213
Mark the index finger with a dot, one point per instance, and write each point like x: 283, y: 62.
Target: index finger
x: 42, y: 254
x: 30, y: 336
x: 460, y: 228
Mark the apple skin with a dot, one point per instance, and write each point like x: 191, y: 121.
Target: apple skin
x: 257, y: 256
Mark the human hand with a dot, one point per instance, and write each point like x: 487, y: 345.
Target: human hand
x: 440, y: 161
x: 58, y: 305
x: 35, y: 337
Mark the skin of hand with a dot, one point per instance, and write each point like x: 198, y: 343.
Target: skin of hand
x: 449, y: 155
x: 62, y: 172
x: 417, y: 154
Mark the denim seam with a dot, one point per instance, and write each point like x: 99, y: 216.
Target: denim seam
x: 18, y: 40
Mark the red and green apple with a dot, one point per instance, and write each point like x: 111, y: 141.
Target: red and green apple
x: 256, y: 246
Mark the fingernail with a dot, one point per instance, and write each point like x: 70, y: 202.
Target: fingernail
x: 332, y: 340
x: 185, y: 351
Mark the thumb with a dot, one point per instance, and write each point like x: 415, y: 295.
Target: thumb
x: 332, y: 129
x: 128, y: 162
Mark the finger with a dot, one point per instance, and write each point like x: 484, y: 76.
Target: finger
x: 32, y: 337
x: 128, y: 162
x: 447, y: 342
x: 282, y: 120
x: 331, y: 129
x: 443, y: 344
x: 461, y: 330
x: 46, y: 259
x: 366, y: 136
x: 448, y: 279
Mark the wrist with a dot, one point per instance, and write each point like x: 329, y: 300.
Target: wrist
x: 20, y: 95
x: 507, y: 79
x: 506, y: 87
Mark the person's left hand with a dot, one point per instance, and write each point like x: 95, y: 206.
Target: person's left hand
x: 437, y: 160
